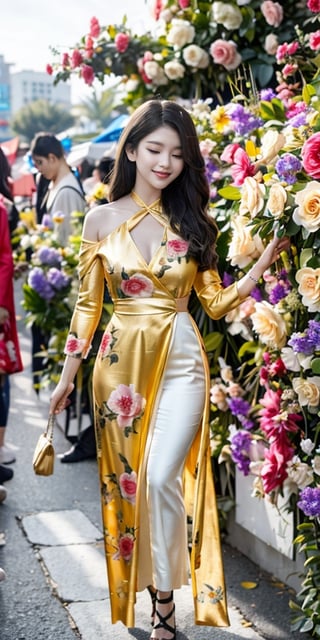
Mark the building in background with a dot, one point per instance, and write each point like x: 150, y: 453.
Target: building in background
x: 29, y: 86
x: 5, y: 103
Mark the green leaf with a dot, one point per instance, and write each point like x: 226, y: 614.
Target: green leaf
x: 315, y: 365
x: 213, y: 340
x: 312, y: 560
x: 230, y: 193
x: 308, y: 626
x: 307, y: 92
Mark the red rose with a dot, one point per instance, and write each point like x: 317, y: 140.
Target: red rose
x: 76, y: 59
x: 87, y: 74
x: 138, y: 286
x: 177, y: 248
x: 94, y: 27
x: 122, y: 41
x: 49, y: 69
x: 128, y: 486
x: 126, y: 543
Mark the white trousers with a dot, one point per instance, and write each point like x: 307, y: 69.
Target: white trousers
x: 177, y: 419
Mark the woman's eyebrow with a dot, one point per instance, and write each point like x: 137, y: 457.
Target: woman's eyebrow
x: 161, y: 144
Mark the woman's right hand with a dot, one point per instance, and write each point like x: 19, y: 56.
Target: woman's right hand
x: 59, y: 399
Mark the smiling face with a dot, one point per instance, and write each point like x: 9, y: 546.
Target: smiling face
x: 158, y: 159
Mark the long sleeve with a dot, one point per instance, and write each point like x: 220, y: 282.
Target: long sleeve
x: 216, y: 300
x: 88, y: 307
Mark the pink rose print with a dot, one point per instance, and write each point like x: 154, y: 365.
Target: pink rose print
x: 128, y: 486
x: 177, y: 249
x: 75, y: 346
x: 126, y: 404
x: 138, y: 286
x: 125, y: 548
x: 105, y: 345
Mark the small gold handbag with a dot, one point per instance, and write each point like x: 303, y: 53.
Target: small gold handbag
x: 43, y: 457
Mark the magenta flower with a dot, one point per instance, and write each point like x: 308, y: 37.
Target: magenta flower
x: 242, y: 167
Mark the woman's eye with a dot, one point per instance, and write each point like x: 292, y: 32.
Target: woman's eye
x: 153, y: 151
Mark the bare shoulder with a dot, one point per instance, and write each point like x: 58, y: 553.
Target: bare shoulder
x: 105, y: 218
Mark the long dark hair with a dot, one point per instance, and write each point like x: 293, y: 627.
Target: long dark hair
x: 186, y: 199
x: 5, y: 174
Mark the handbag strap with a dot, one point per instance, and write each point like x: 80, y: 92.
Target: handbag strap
x: 50, y: 426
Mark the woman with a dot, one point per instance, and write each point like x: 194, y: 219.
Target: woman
x: 152, y: 244
x: 8, y: 329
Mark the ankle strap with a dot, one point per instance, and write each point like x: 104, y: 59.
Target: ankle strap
x: 165, y: 600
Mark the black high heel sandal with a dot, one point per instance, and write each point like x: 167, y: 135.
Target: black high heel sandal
x: 153, y: 596
x: 163, y: 624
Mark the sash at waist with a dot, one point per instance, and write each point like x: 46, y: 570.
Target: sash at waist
x: 146, y: 306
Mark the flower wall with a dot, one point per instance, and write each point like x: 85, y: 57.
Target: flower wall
x: 193, y: 49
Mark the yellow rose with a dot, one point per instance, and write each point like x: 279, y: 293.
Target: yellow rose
x: 252, y: 197
x: 309, y: 287
x: 308, y: 391
x: 277, y: 200
x: 271, y: 144
x: 307, y: 214
x: 243, y: 247
x: 269, y: 325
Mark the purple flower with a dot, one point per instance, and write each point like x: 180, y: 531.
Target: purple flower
x: 267, y: 95
x: 227, y: 279
x: 243, y: 121
x: 308, y: 341
x: 57, y: 278
x: 278, y: 293
x: 240, y: 446
x: 299, y: 120
x: 287, y: 167
x: 49, y: 255
x: 256, y: 294
x: 37, y: 281
x: 238, y: 406
x: 309, y: 501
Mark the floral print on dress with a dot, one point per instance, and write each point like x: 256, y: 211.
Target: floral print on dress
x: 106, y: 346
x: 125, y: 545
x: 177, y: 249
x: 135, y: 286
x: 125, y: 486
x: 213, y: 595
x: 75, y: 346
x: 124, y: 405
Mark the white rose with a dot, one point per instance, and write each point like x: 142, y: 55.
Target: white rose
x: 307, y: 213
x: 309, y: 287
x: 174, y: 70
x: 226, y: 14
x: 243, y: 247
x: 299, y: 472
x: 271, y: 44
x: 252, y: 197
x: 181, y: 33
x: 155, y: 73
x: 307, y: 446
x: 290, y: 359
x: 272, y: 142
x: 308, y: 391
x: 277, y: 200
x: 269, y: 325
x: 195, y: 57
x: 316, y: 465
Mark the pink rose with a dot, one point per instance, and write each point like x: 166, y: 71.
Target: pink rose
x: 225, y: 52
x: 157, y: 8
x: 122, y: 42
x: 126, y: 404
x: 289, y: 70
x: 138, y: 286
x: 242, y: 167
x: 310, y: 153
x: 49, y: 69
x: 74, y: 346
x: 314, y: 40
x: 105, y: 344
x: 94, y: 28
x: 128, y: 486
x: 87, y: 74
x: 126, y: 544
x: 76, y: 59
x: 65, y: 60
x: 177, y: 248
x: 228, y: 153
x: 314, y: 5
x: 89, y: 47
x: 184, y: 4
x: 272, y: 12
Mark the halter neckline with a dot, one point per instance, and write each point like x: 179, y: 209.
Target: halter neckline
x: 154, y: 206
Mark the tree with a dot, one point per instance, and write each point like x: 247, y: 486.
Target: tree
x: 40, y: 116
x: 98, y: 108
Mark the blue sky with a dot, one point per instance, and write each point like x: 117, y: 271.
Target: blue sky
x: 28, y: 29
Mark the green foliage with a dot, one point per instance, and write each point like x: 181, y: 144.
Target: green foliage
x: 306, y: 608
x: 40, y: 116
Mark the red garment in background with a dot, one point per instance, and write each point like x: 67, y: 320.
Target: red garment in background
x: 6, y: 281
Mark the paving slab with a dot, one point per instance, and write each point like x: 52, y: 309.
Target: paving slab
x: 78, y: 571
x: 52, y: 528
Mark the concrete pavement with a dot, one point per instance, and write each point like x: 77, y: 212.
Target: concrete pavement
x: 56, y: 586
